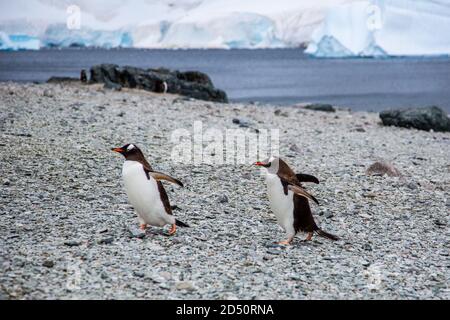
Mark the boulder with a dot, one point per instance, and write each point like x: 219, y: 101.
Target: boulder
x: 195, y: 76
x: 193, y: 84
x: 381, y: 168
x: 420, y: 118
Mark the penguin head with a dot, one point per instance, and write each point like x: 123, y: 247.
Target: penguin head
x: 128, y: 150
x: 271, y: 165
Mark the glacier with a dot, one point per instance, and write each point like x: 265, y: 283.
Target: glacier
x: 381, y: 28
x: 59, y: 36
x: 18, y: 42
x: 166, y: 23
x: 328, y: 28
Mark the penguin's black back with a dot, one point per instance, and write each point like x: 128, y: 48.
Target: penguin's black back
x: 303, y: 218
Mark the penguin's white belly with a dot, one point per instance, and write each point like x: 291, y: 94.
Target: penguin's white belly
x: 143, y: 194
x: 282, y: 205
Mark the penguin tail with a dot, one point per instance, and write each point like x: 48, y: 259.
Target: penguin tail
x: 327, y: 235
x: 181, y: 224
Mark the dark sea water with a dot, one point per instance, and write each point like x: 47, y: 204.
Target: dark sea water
x: 278, y: 76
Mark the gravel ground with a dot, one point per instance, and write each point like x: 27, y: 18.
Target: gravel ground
x: 67, y: 230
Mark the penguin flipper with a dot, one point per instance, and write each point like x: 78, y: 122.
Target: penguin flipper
x: 302, y: 192
x: 158, y: 176
x: 306, y: 178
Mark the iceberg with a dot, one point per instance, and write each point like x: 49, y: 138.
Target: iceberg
x: 383, y: 28
x: 59, y: 36
x: 18, y: 42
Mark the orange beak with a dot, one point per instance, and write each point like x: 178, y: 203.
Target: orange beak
x: 119, y: 150
x: 258, y: 163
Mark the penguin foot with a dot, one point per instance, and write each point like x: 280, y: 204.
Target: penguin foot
x: 309, y: 236
x: 173, y: 229
x: 143, y: 226
x: 285, y: 242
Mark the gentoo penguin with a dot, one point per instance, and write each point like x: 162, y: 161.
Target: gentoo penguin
x: 83, y: 76
x: 145, y: 190
x: 161, y: 86
x: 289, y: 200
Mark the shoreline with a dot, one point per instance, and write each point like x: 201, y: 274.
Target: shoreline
x: 269, y: 76
x: 65, y: 221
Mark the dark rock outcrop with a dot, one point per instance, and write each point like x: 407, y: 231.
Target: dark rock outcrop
x: 420, y: 118
x: 190, y: 83
x: 320, y: 107
x: 62, y: 79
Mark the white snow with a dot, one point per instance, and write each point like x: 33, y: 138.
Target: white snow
x: 384, y: 28
x: 167, y: 23
x: 331, y: 28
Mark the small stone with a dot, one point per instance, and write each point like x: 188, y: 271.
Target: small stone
x: 369, y: 195
x: 72, y: 243
x: 279, y: 113
x: 294, y: 148
x: 222, y: 199
x: 185, y: 285
x: 48, y: 263
x: 104, y: 276
x: 156, y: 278
x: 138, y: 274
x: 365, y: 263
x: 6, y: 182
x: 136, y: 233
x: 105, y: 240
x: 166, y: 275
x: 367, y: 247
x: 48, y: 93
x: 241, y: 122
x: 328, y: 214
x: 274, y: 251
x: 412, y: 185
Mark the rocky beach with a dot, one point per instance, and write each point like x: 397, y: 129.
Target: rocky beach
x: 68, y: 232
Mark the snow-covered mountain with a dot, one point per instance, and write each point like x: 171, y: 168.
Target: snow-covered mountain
x: 328, y: 27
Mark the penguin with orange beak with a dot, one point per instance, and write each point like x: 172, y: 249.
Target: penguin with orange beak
x: 290, y: 201
x: 145, y: 190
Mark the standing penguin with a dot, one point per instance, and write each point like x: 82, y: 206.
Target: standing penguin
x: 289, y: 200
x: 145, y: 190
